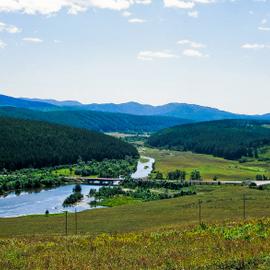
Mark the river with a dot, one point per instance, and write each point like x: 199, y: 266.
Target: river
x: 32, y: 203
x: 143, y: 168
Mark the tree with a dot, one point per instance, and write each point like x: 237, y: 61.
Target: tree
x: 77, y: 188
x: 195, y: 175
x: 159, y: 176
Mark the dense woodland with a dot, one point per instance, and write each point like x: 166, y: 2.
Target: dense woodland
x: 231, y: 139
x: 98, y: 121
x: 25, y: 144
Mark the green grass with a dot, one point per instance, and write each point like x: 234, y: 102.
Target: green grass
x: 144, y: 160
x: 241, y: 245
x: 153, y: 235
x: 118, y: 200
x: 209, y: 166
x: 219, y: 203
x: 265, y: 152
x: 64, y: 172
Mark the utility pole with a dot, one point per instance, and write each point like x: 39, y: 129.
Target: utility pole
x: 66, y: 222
x: 76, y: 222
x: 200, y: 212
x: 244, y: 206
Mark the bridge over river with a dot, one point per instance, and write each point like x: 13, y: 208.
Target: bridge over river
x: 142, y: 172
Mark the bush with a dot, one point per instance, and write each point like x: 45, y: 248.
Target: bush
x: 72, y: 199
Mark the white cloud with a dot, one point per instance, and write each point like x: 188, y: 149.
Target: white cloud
x: 185, y: 4
x: 190, y: 43
x: 47, y: 7
x: 32, y: 40
x: 179, y: 4
x: 151, y: 55
x: 255, y: 46
x: 126, y: 14
x: 193, y: 14
x: 136, y: 20
x: 193, y: 53
x: 264, y: 28
x: 9, y: 28
x: 2, y: 44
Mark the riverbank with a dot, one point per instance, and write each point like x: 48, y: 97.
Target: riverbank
x: 36, y: 203
x: 219, y: 203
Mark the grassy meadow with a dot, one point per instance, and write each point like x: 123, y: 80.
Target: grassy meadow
x: 162, y: 234
x: 219, y: 204
x: 209, y: 166
x: 241, y: 245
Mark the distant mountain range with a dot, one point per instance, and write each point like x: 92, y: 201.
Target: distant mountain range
x: 24, y: 103
x: 189, y: 112
x: 98, y: 121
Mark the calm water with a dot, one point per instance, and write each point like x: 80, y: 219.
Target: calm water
x: 31, y: 203
x: 143, y: 169
x: 37, y: 203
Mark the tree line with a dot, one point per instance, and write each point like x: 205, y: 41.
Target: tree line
x: 230, y: 139
x: 33, y: 144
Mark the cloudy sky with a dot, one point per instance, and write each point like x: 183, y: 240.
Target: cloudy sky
x: 208, y: 52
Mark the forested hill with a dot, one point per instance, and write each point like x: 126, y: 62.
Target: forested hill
x: 98, y: 121
x: 25, y: 143
x: 230, y: 139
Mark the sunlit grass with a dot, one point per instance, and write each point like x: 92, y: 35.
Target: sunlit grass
x: 209, y: 166
x: 241, y: 245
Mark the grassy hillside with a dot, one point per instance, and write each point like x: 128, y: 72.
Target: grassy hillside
x: 231, y: 139
x: 26, y: 143
x: 153, y: 235
x: 241, y: 245
x: 99, y: 121
x: 209, y: 166
x: 219, y: 203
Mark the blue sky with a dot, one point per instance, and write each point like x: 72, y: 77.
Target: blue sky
x: 208, y: 52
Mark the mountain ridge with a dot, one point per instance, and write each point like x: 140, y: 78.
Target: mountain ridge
x: 187, y: 111
x: 94, y: 120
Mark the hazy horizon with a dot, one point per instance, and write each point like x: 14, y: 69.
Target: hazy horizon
x: 130, y: 101
x: 213, y: 53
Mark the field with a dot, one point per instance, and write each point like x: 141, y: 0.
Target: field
x: 209, y: 166
x: 219, y: 203
x: 155, y: 235
x: 229, y: 246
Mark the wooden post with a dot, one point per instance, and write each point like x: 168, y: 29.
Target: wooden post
x: 76, y: 222
x: 200, y: 212
x: 66, y: 222
x: 244, y: 206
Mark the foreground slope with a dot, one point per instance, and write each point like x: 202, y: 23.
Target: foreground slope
x: 25, y: 143
x: 154, y: 235
x: 99, y: 121
x: 230, y: 139
x: 241, y: 245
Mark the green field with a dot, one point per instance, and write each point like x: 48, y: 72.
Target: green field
x: 153, y: 235
x: 209, y: 166
x: 243, y: 246
x: 219, y: 203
